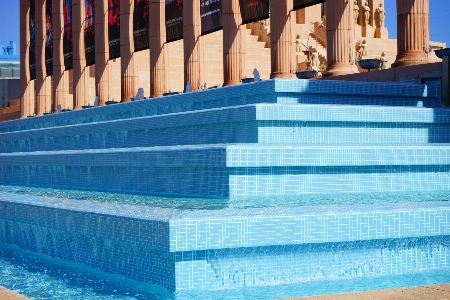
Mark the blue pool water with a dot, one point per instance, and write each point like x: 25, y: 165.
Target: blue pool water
x: 220, y: 203
x: 41, y: 277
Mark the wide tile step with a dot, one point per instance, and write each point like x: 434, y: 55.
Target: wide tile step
x: 169, y: 243
x: 237, y: 170
x: 287, y: 91
x: 256, y: 123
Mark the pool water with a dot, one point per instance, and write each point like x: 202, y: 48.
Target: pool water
x: 220, y: 203
x: 41, y: 277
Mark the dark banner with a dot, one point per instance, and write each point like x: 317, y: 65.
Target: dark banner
x: 211, y: 15
x: 48, y: 38
x: 254, y: 10
x: 67, y: 39
x: 174, y: 20
x: 114, y: 28
x: 32, y: 57
x: 298, y: 4
x: 140, y: 25
x: 89, y: 32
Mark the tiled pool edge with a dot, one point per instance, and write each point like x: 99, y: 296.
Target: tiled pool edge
x: 212, y: 250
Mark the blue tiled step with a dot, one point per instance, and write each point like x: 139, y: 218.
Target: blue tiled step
x: 255, y: 123
x: 269, y: 91
x: 237, y: 170
x: 226, y: 247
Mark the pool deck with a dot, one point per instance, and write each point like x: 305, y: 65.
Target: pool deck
x: 6, y: 294
x: 429, y: 292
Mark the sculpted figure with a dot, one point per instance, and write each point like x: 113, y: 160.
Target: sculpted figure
x: 298, y: 43
x: 363, y: 49
x: 381, y: 13
x: 366, y: 9
x: 356, y: 9
x: 315, y: 62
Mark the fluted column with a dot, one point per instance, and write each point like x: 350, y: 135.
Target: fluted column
x: 282, y: 27
x: 340, y: 38
x: 159, y: 75
x: 26, y: 88
x: 43, y: 83
x: 80, y: 91
x: 102, y: 67
x: 60, y: 77
x: 233, y: 43
x: 193, y: 48
x: 412, y: 32
x: 127, y: 61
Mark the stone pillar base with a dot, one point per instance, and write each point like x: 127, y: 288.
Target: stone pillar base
x: 338, y: 69
x: 282, y: 75
x: 410, y: 58
x: 381, y: 33
x: 368, y: 31
x: 230, y: 83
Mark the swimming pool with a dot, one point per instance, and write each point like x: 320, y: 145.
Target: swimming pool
x: 272, y: 189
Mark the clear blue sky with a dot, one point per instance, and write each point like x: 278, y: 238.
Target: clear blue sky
x: 439, y: 21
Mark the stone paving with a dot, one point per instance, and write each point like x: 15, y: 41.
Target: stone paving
x: 6, y: 294
x: 430, y: 292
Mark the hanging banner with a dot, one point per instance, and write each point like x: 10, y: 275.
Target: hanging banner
x: 140, y: 25
x: 254, y: 10
x: 211, y: 15
x: 48, y: 38
x: 32, y: 57
x: 89, y: 32
x: 174, y: 20
x: 298, y: 4
x: 67, y: 38
x: 114, y: 28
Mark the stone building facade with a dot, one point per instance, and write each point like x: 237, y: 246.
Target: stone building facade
x: 322, y: 36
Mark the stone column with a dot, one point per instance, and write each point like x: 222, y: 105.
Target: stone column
x: 60, y: 77
x: 80, y: 72
x: 233, y: 43
x: 43, y: 83
x: 412, y: 32
x: 159, y: 75
x: 340, y: 38
x: 282, y: 31
x: 127, y: 61
x: 193, y: 48
x: 102, y: 67
x: 26, y: 88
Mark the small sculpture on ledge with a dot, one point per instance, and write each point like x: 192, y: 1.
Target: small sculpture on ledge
x: 298, y: 44
x: 314, y: 59
x: 361, y: 49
